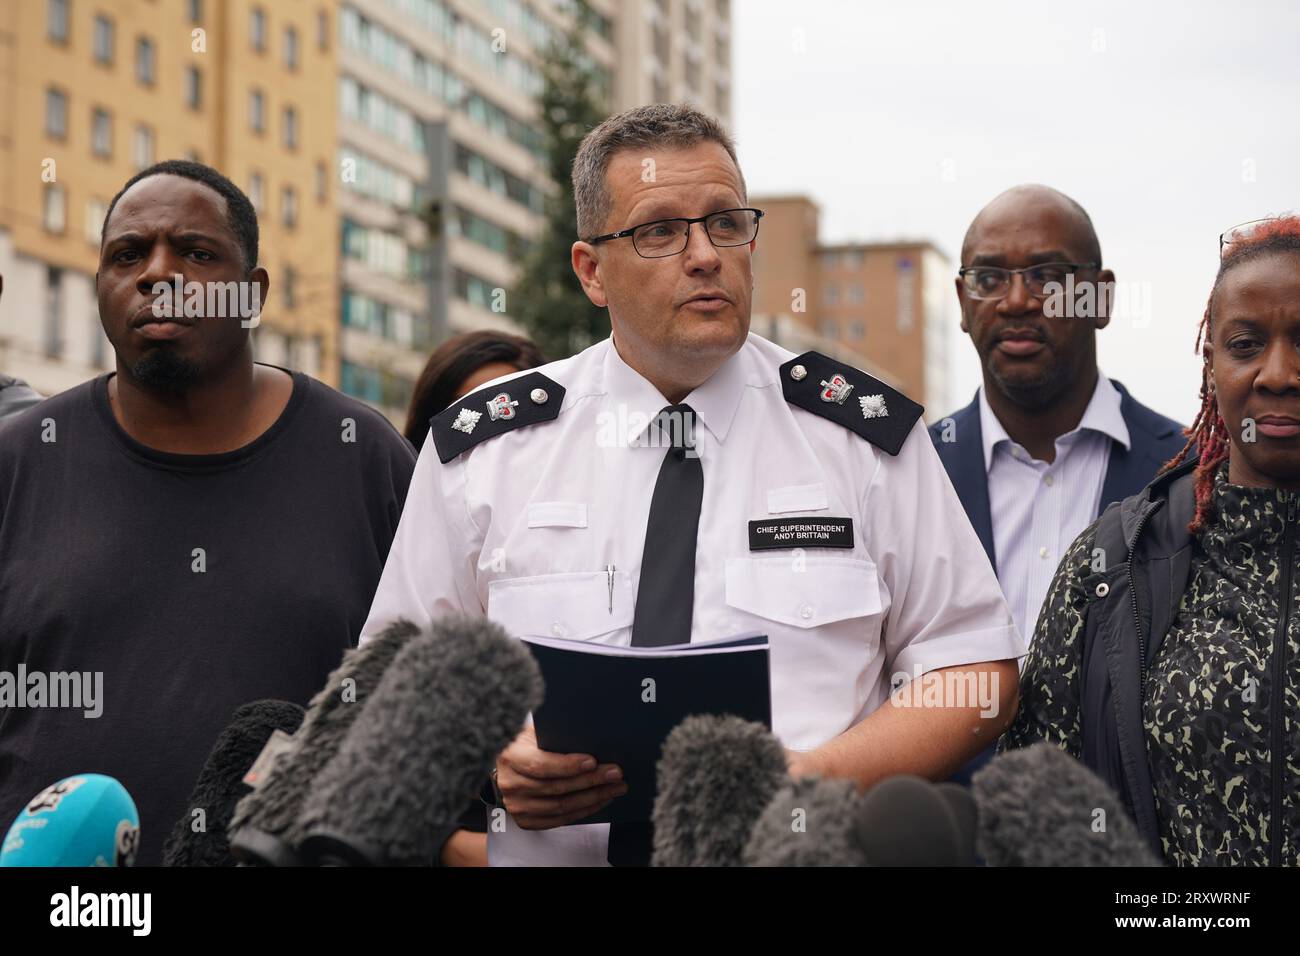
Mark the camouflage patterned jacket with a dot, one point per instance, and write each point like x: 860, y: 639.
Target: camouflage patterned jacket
x: 1219, y: 699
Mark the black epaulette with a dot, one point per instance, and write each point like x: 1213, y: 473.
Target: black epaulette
x: 494, y: 411
x: 850, y: 397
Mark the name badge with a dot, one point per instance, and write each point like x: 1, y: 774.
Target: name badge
x: 810, y: 532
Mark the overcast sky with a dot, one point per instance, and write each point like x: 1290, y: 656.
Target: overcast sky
x: 1168, y: 121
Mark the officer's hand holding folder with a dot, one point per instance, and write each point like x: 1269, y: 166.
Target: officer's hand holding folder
x: 620, y: 703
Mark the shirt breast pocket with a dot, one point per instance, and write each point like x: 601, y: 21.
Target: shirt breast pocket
x: 574, y: 605
x: 804, y: 591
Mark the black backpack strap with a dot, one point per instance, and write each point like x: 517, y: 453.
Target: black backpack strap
x: 1159, y: 572
x: 1105, y: 590
x: 1172, y: 541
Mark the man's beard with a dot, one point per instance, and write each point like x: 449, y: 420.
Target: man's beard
x: 1034, y: 395
x: 161, y: 369
x: 1037, y: 393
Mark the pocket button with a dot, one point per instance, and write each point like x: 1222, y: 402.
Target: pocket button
x: 557, y: 629
x: 805, y: 611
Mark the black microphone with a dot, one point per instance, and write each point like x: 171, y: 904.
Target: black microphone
x: 1041, y: 807
x: 221, y: 783
x: 448, y: 705
x: 262, y: 818
x: 715, y: 776
x: 909, y: 821
x: 901, y: 821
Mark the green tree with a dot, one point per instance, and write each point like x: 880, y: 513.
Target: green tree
x: 547, y: 298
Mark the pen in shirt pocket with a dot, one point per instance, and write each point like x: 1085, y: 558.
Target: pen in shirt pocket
x: 609, y: 574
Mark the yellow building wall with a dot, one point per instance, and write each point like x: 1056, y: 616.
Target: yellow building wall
x: 217, y: 132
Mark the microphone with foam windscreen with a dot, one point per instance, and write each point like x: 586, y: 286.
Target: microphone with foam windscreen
x: 715, y: 776
x: 1041, y: 807
x: 809, y: 822
x: 84, y: 820
x: 221, y: 784
x: 431, y: 733
x: 262, y: 818
x: 901, y: 821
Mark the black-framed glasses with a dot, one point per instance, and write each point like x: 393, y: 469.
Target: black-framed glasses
x: 1243, y: 230
x: 994, y: 282
x: 669, y: 237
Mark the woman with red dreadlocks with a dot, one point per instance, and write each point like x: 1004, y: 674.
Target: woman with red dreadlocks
x: 1167, y: 656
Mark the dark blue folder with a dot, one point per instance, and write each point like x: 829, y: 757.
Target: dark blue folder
x: 620, y: 703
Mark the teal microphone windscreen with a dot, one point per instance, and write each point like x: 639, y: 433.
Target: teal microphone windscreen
x: 84, y: 820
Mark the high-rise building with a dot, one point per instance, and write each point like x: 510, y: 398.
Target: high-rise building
x: 886, y: 307
x: 392, y: 148
x: 674, y: 51
x: 90, y: 93
x: 443, y: 171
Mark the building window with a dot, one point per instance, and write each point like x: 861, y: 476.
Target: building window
x: 101, y: 133
x: 196, y: 11
x: 290, y: 128
x: 56, y: 114
x: 142, y: 147
x: 55, y: 211
x: 256, y: 111
x: 95, y: 209
x: 322, y: 183
x: 53, y: 312
x: 857, y: 329
x: 255, y: 190
x: 323, y: 30
x: 257, y: 29
x: 855, y: 295
x: 830, y: 294
x: 144, y: 60
x: 56, y: 20
x: 290, y: 48
x: 289, y: 207
x: 290, y: 286
x: 193, y: 87
x: 360, y: 382
x: 103, y: 40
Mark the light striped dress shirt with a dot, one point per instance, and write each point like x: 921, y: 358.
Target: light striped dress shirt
x: 1038, y: 509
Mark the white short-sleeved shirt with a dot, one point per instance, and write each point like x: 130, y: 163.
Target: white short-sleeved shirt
x: 523, y: 527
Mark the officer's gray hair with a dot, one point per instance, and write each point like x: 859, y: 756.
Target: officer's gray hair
x: 655, y: 125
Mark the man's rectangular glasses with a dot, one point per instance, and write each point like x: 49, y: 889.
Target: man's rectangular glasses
x: 669, y: 237
x: 993, y: 282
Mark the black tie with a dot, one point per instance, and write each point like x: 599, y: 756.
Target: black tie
x: 666, y: 592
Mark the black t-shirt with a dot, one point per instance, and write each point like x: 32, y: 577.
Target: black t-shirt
x: 192, y: 583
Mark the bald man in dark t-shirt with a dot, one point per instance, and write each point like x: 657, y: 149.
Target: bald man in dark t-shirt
x: 190, y: 532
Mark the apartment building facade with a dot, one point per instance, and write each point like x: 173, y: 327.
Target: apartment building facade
x: 443, y: 171
x: 886, y: 307
x: 93, y: 91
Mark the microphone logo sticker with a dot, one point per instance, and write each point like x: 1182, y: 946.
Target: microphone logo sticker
x: 51, y: 796
x: 126, y: 843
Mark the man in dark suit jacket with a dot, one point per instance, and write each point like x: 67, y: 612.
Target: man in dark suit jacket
x: 1048, y: 442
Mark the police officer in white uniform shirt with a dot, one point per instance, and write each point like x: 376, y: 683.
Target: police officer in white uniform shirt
x: 686, y: 479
